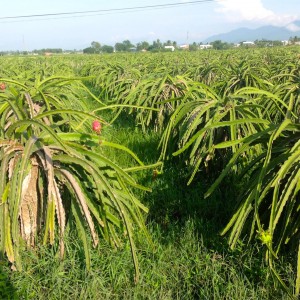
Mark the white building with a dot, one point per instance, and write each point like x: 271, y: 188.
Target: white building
x: 170, y: 47
x: 184, y: 47
x: 248, y: 43
x: 207, y: 46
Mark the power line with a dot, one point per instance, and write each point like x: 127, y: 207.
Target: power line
x: 111, y: 10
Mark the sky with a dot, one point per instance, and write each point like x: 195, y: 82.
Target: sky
x: 184, y: 22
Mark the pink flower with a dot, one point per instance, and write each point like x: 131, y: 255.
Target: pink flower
x: 2, y: 86
x: 96, y: 126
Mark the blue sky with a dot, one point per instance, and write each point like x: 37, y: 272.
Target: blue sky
x: 184, y: 23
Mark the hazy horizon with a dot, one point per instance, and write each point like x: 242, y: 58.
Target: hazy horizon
x: 181, y: 21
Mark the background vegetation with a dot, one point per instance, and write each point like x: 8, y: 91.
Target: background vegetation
x: 215, y: 135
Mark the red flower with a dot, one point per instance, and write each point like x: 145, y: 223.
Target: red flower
x: 2, y: 86
x: 96, y: 126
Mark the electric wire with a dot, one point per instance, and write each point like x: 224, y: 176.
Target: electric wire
x: 60, y: 15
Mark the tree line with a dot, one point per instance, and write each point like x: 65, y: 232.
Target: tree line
x: 157, y: 45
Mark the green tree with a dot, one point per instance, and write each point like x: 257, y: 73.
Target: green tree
x: 107, y: 49
x: 294, y: 39
x: 142, y: 45
x: 96, y: 46
x: 156, y: 46
x: 93, y: 49
x: 119, y: 47
x: 89, y: 50
x: 193, y: 47
x: 124, y: 46
x: 219, y: 45
x: 127, y: 44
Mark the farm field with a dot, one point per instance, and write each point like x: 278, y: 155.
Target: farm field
x: 151, y: 175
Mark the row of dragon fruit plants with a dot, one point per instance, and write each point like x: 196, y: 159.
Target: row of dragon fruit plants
x: 236, y: 112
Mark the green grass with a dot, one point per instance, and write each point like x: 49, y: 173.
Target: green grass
x: 180, y: 267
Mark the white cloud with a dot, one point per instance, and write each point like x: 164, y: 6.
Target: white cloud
x: 253, y: 11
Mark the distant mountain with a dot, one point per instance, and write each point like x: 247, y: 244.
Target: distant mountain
x: 265, y: 32
x: 297, y: 22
